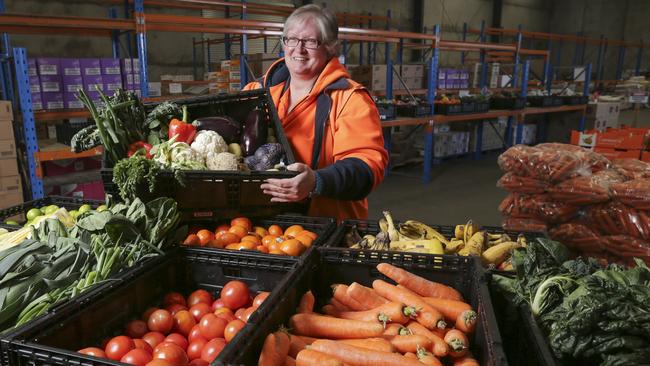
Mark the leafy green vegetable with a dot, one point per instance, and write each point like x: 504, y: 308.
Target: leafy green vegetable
x: 157, y: 121
x: 134, y: 174
x: 85, y: 139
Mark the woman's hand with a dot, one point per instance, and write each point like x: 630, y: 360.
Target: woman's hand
x: 291, y: 189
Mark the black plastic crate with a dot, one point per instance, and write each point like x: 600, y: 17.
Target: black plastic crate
x: 386, y: 111
x: 482, y: 107
x: 18, y: 212
x: 557, y: 101
x: 222, y: 193
x: 508, y: 103
x: 65, y: 131
x: 53, y: 340
x: 541, y: 101
x: 410, y: 110
x: 468, y: 107
x: 323, y: 226
x: 448, y: 109
x: 330, y: 267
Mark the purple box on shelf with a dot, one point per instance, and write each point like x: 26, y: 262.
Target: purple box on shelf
x: 442, y: 84
x: 442, y: 74
x: 110, y: 66
x: 90, y: 67
x: 32, y: 69
x: 128, y: 79
x: 90, y: 81
x: 93, y: 95
x: 135, y: 65
x: 111, y: 83
x: 136, y: 78
x: 127, y: 65
x: 464, y: 75
x: 48, y: 66
x: 37, y: 101
x: 35, y: 84
x: 51, y: 84
x: 72, y: 83
x: 52, y: 101
x: 70, y: 67
x: 70, y: 101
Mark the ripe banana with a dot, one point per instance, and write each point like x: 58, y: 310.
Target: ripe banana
x: 459, y: 232
x: 499, y: 253
x: 522, y: 240
x: 352, y: 237
x: 454, y: 246
x: 474, y: 246
x: 495, y: 239
x: 393, y: 234
x: 428, y: 246
x: 415, y: 229
x: 383, y: 224
x: 470, y: 229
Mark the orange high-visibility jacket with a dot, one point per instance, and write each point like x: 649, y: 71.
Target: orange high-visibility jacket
x: 337, y: 132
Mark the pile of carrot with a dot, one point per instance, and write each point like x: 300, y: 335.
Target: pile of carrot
x: 416, y: 322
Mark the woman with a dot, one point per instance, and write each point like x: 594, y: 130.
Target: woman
x: 331, y: 121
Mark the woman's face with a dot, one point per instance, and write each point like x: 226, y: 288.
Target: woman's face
x: 302, y: 62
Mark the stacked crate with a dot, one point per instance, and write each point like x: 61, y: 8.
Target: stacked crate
x: 11, y: 191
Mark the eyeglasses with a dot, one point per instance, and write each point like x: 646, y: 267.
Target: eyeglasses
x: 309, y: 43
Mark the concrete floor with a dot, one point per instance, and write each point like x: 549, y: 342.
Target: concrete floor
x: 460, y: 189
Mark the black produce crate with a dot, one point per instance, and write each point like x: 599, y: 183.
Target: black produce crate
x: 386, y: 111
x: 557, y: 101
x: 331, y: 267
x: 583, y: 99
x: 508, y: 103
x: 323, y: 226
x: 409, y: 110
x: 448, y: 109
x: 18, y: 212
x: 541, y: 101
x: 54, y: 339
x: 468, y: 107
x: 482, y: 107
x: 65, y: 131
x: 575, y: 100
x: 222, y: 193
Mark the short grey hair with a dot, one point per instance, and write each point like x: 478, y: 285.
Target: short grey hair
x: 325, y: 21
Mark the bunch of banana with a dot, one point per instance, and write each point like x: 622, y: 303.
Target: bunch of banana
x: 414, y: 237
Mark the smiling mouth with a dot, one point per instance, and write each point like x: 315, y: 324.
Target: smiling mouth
x: 299, y: 59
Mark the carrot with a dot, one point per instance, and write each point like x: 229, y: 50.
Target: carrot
x: 296, y: 345
x: 365, y: 296
x: 275, y: 349
x: 450, y: 309
x: 428, y: 358
x: 411, y: 355
x: 458, y: 343
x: 309, y: 357
x: 429, y: 317
x: 392, y: 329
x: 392, y: 312
x: 466, y: 321
x: 289, y: 361
x: 377, y: 344
x: 330, y: 310
x: 417, y: 284
x: 440, y: 347
x: 307, y: 303
x: 338, y: 305
x: 314, y: 325
x: 307, y: 340
x: 354, y: 356
x: 409, y: 343
x: 340, y: 294
x: 466, y: 360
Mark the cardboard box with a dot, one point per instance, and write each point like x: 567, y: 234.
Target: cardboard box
x: 135, y: 65
x: 6, y: 129
x: 442, y: 74
x: 127, y: 65
x: 603, y: 110
x: 71, y: 84
x: 618, y: 154
x: 110, y: 66
x: 93, y: 81
x: 52, y: 101
x: 90, y: 67
x: 32, y: 69
x: 70, y: 67
x: 37, y: 101
x: 8, y: 167
x: 412, y: 71
x: 234, y: 76
x: 136, y: 78
x: 111, y: 83
x: 6, y: 110
x: 627, y: 138
x: 70, y: 101
x: 48, y: 66
x: 51, y: 84
x: 11, y: 198
x: 9, y: 184
x: 175, y: 88
x: 234, y: 87
x: 227, y: 65
x: 7, y: 148
x: 155, y: 89
x: 35, y: 84
x: 128, y: 79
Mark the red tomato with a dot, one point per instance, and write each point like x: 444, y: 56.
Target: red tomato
x: 235, y: 294
x: 153, y: 338
x: 136, y: 329
x: 212, y: 327
x: 148, y: 312
x: 157, y: 362
x: 142, y: 344
x: 217, y: 304
x: 177, y: 339
x: 138, y: 357
x: 199, y: 296
x: 239, y: 314
x: 175, y: 308
x: 174, y: 298
x: 232, y: 329
x: 183, y: 322
x: 228, y: 317
x: 195, y: 333
x: 93, y: 351
x: 161, y: 321
x: 247, y: 313
x: 259, y: 299
x: 221, y: 229
x: 171, y: 352
x: 199, y: 362
x: 195, y: 348
x: 200, y: 309
x: 212, y: 349
x: 118, y: 346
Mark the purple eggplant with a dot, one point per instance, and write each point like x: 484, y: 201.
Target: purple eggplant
x: 255, y: 132
x: 225, y: 126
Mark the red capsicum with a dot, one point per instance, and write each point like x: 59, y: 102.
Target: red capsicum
x: 137, y: 146
x: 185, y: 131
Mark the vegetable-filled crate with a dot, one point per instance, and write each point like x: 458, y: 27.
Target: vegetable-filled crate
x: 287, y: 235
x: 249, y: 117
x: 482, y: 106
x: 18, y: 215
x: 386, y: 111
x: 468, y: 107
x: 511, y: 103
x: 411, y: 110
x: 541, y: 101
x: 448, y: 109
x: 557, y: 101
x: 340, y: 283
x: 204, y: 282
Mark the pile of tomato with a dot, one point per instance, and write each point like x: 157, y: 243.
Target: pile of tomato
x: 188, y: 331
x: 240, y: 234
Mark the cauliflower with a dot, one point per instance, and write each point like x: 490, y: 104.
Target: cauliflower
x: 222, y: 161
x: 178, y: 155
x: 209, y: 142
